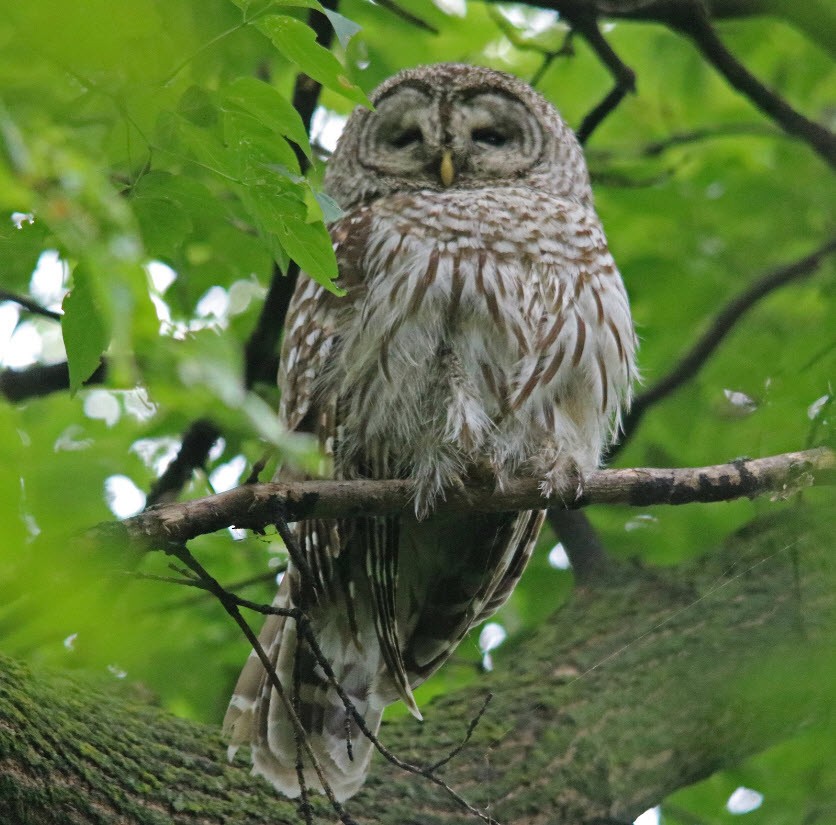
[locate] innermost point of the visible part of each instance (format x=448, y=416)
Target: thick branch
x=634, y=689
x=257, y=505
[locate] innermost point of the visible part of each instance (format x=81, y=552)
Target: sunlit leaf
x=270, y=107
x=298, y=43
x=344, y=28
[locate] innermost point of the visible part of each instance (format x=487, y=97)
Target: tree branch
x=699, y=29
x=632, y=690
x=257, y=505
x=586, y=25
x=693, y=18
x=29, y=305
x=42, y=379
x=722, y=325
x=194, y=450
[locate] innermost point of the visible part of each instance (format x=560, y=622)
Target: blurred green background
x=142, y=132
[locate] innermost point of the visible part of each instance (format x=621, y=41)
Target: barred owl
x=485, y=334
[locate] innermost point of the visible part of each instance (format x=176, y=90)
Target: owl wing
x=353, y=564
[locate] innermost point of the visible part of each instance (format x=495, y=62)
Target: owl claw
x=559, y=481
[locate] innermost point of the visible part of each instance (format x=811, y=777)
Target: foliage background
x=150, y=131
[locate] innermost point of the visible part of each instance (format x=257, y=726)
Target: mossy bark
x=640, y=685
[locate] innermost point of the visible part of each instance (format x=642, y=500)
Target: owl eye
x=407, y=138
x=489, y=136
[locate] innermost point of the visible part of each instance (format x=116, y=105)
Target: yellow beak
x=447, y=171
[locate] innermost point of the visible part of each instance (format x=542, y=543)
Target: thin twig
x=202, y=580
x=231, y=603
x=257, y=468
x=698, y=27
x=518, y=41
x=625, y=78
x=474, y=722
x=407, y=15
x=655, y=148
x=693, y=360
x=30, y=305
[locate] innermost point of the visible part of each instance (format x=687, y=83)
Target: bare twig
x=256, y=505
x=231, y=604
x=196, y=576
x=625, y=78
x=474, y=723
x=29, y=305
x=524, y=44
x=657, y=147
x=407, y=15
x=725, y=321
x=697, y=26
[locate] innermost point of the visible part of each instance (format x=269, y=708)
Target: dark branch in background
x=697, y=26
x=254, y=506
x=29, y=305
x=194, y=450
x=580, y=541
x=260, y=351
x=690, y=18
x=625, y=78
x=407, y=15
x=40, y=379
x=723, y=324
x=655, y=148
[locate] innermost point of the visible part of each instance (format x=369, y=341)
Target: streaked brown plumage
x=486, y=330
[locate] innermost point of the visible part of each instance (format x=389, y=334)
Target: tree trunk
x=644, y=682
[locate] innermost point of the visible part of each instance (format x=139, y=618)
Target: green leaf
x=255, y=149
x=282, y=214
x=202, y=144
x=297, y=42
x=198, y=107
x=344, y=28
x=86, y=327
x=20, y=250
x=269, y=106
x=330, y=208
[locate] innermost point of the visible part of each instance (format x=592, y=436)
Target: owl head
x=450, y=125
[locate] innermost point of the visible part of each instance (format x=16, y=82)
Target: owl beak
x=447, y=171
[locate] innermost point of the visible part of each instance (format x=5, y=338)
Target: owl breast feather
x=474, y=339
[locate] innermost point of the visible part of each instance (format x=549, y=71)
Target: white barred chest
x=489, y=327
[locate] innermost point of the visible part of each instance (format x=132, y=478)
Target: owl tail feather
x=259, y=718
x=381, y=542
